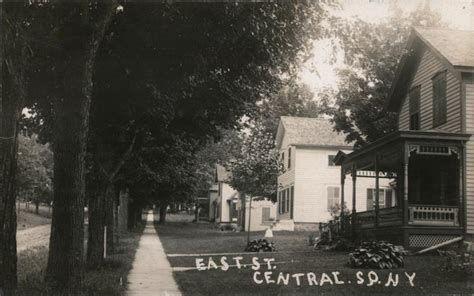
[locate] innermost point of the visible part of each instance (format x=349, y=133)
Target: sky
x=458, y=14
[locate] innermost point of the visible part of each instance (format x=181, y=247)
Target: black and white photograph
x=236, y=147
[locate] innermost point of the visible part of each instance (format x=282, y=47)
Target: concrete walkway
x=151, y=272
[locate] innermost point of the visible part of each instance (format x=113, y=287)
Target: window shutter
x=439, y=99
x=292, y=201
x=370, y=199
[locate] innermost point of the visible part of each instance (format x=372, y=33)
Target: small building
x=225, y=204
x=264, y=214
x=213, y=196
x=309, y=188
x=431, y=156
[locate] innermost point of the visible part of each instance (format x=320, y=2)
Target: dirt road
x=33, y=237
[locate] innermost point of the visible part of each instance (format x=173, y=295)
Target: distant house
x=310, y=185
x=225, y=204
x=213, y=197
x=431, y=156
x=264, y=214
x=228, y=206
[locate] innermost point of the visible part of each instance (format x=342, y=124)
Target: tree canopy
x=371, y=53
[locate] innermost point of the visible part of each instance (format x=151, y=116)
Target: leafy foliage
x=377, y=255
x=35, y=169
x=456, y=261
x=257, y=167
x=261, y=245
x=371, y=53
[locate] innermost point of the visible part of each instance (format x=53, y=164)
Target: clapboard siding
x=428, y=67
x=470, y=158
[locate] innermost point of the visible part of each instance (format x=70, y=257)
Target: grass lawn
x=26, y=219
x=32, y=266
x=293, y=257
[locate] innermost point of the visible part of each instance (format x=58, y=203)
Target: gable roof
x=221, y=174
x=454, y=48
x=455, y=45
x=305, y=131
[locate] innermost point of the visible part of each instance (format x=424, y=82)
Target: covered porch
x=424, y=204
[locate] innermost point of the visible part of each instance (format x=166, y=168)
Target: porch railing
x=433, y=215
x=387, y=217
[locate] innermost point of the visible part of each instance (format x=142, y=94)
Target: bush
x=377, y=255
x=261, y=245
x=459, y=262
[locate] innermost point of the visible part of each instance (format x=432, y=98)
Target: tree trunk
x=9, y=115
x=116, y=221
x=36, y=207
x=64, y=271
x=12, y=97
x=109, y=216
x=95, y=242
x=163, y=214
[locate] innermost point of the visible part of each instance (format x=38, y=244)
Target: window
x=385, y=198
x=265, y=214
x=331, y=160
x=333, y=196
x=414, y=97
x=287, y=208
x=439, y=99
x=284, y=202
x=289, y=158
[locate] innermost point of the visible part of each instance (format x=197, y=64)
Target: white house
x=225, y=205
x=310, y=184
x=263, y=214
x=228, y=206
x=213, y=198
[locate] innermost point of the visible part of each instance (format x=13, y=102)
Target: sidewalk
x=151, y=272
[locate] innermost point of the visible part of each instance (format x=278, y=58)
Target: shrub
x=261, y=245
x=377, y=255
x=459, y=262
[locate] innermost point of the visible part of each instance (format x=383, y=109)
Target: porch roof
x=389, y=141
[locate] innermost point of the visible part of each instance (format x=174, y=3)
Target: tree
x=372, y=53
x=257, y=167
x=35, y=165
x=15, y=56
x=69, y=35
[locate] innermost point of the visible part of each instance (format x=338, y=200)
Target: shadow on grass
x=111, y=279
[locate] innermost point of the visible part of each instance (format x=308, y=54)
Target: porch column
x=377, y=187
x=354, y=180
x=405, y=185
x=343, y=179
x=462, y=189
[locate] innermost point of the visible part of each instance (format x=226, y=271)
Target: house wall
x=469, y=91
x=428, y=67
x=257, y=209
x=227, y=193
x=213, y=196
x=287, y=179
x=312, y=177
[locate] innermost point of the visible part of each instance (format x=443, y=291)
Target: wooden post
x=105, y=241
x=406, y=157
x=343, y=178
x=354, y=189
x=377, y=191
x=250, y=217
x=462, y=196
x=405, y=185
